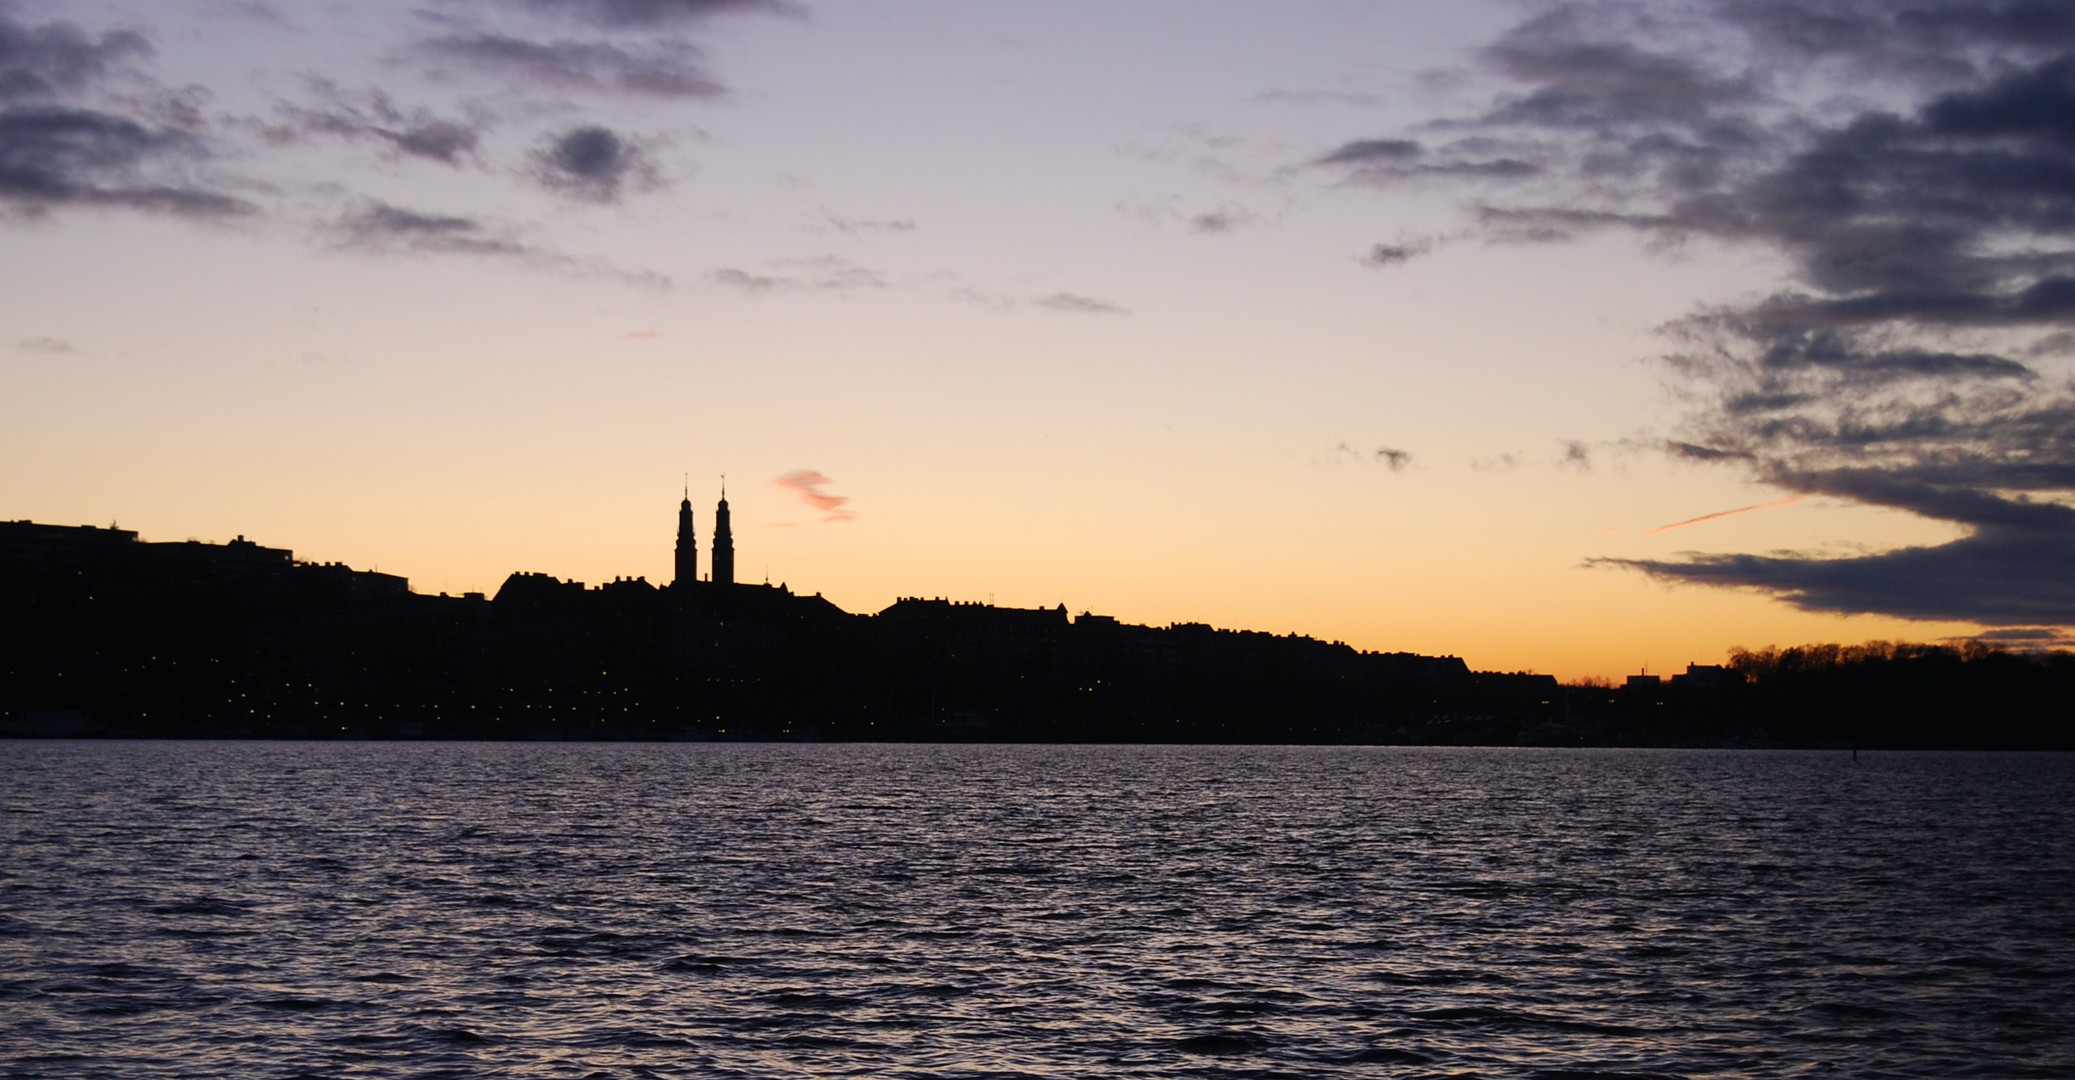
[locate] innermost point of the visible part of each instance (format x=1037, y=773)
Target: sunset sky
x=1574, y=338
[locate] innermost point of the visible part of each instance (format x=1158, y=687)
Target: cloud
x=1404, y=251
x=808, y=484
x=1223, y=219
x=859, y=226
x=981, y=298
x=375, y=117
x=1576, y=455
x=52, y=157
x=56, y=60
x=1318, y=97
x=1390, y=162
x=1977, y=440
x=1078, y=304
x=1914, y=164
x=59, y=150
x=1216, y=220
x=47, y=345
x=2012, y=569
x=746, y=281
x=1927, y=41
x=647, y=14
x=1583, y=70
x=1391, y=458
x=662, y=68
x=1506, y=462
x=382, y=228
x=592, y=163
x=2024, y=635
x=2057, y=343
x=437, y=140
x=1374, y=151
x=828, y=273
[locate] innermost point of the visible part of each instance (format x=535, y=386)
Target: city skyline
x=1575, y=338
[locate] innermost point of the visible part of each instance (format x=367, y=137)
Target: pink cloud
x=809, y=484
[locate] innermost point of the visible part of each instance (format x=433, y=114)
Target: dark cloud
x=48, y=345
x=1078, y=304
x=2024, y=635
x=1930, y=233
x=1974, y=439
x=1384, y=162
x=60, y=150
x=673, y=69
x=1374, y=151
x=56, y=60
x=655, y=13
x=1393, y=459
x=641, y=56
x=1922, y=41
x=591, y=162
x=60, y=157
x=2007, y=571
x=1585, y=72
x=439, y=140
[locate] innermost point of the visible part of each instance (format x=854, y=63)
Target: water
x=433, y=910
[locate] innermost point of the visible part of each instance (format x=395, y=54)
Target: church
x=688, y=543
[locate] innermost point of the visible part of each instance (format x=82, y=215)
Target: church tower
x=687, y=543
x=723, y=542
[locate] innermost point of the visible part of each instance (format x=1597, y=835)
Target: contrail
x=1725, y=513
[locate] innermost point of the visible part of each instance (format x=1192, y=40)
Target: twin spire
x=688, y=541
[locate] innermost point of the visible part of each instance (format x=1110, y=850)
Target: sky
x=1580, y=338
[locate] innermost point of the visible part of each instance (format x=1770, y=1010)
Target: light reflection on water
x=698, y=910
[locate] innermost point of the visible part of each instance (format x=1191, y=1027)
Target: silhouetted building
x=26, y=543
x=723, y=543
x=102, y=634
x=1707, y=675
x=687, y=544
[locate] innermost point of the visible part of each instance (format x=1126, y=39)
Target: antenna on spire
x=724, y=485
x=688, y=485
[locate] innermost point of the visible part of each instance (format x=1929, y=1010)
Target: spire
x=723, y=540
x=687, y=540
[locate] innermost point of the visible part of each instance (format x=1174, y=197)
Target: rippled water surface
x=239, y=909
